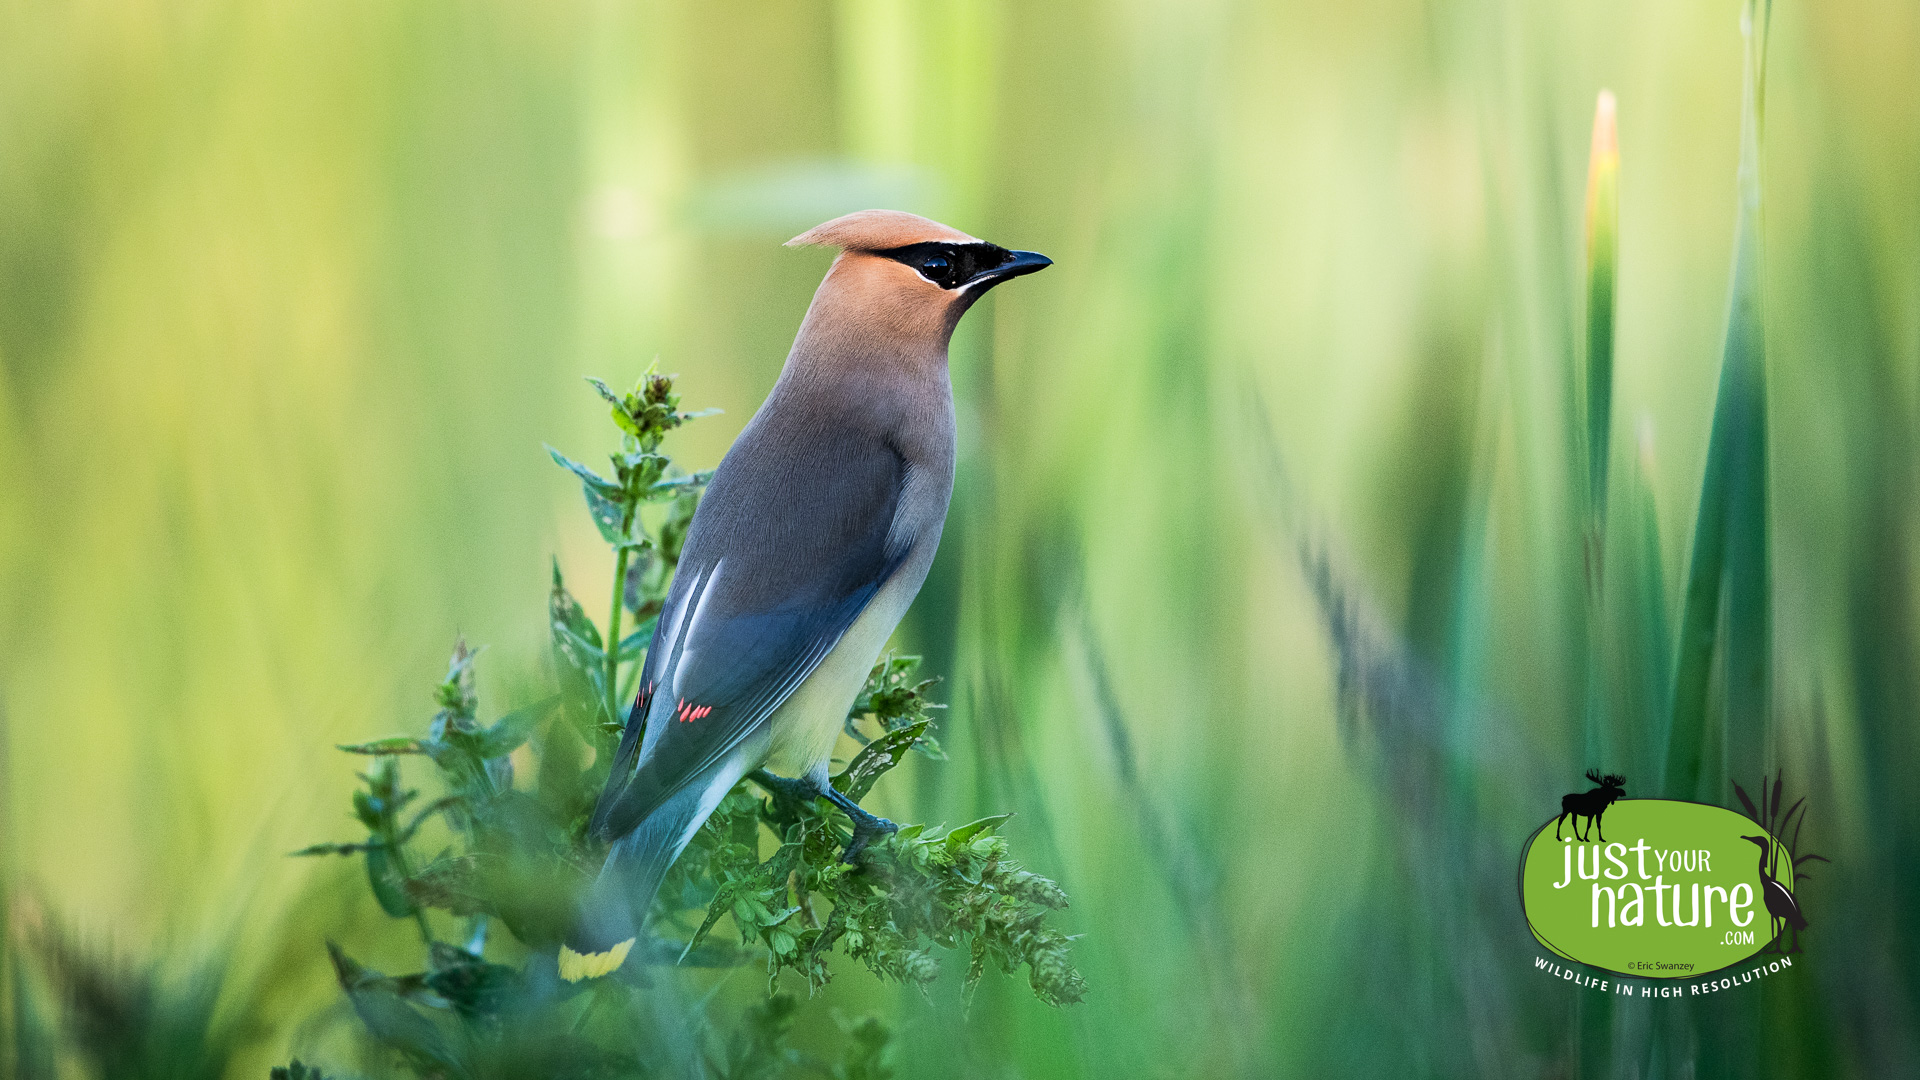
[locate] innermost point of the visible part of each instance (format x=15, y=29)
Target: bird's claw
x=864, y=833
x=866, y=827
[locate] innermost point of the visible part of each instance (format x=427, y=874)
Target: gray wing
x=795, y=536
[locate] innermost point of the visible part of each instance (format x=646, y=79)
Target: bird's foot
x=865, y=833
x=798, y=791
x=866, y=827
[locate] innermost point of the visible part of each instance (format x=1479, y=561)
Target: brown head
x=900, y=284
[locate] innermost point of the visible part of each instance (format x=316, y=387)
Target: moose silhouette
x=1590, y=804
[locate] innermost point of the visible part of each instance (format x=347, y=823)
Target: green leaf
x=330, y=849
x=367, y=810
x=582, y=654
x=609, y=516
x=966, y=833
x=642, y=463
x=566, y=614
x=389, y=1018
x=895, y=701
x=593, y=480
x=623, y=407
x=876, y=759
x=471, y=985
x=388, y=888
x=393, y=744
x=721, y=906
x=680, y=484
x=607, y=392
x=513, y=729
x=577, y=653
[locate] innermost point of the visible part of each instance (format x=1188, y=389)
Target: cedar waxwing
x=814, y=536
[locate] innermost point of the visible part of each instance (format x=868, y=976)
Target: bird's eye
x=947, y=265
x=938, y=269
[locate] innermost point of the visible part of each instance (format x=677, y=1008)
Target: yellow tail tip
x=577, y=966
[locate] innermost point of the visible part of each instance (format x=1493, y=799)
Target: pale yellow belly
x=808, y=724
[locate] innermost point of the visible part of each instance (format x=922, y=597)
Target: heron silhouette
x=1780, y=902
x=1779, y=898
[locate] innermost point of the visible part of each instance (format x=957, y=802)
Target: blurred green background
x=1261, y=597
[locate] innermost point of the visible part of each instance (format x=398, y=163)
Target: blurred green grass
x=291, y=295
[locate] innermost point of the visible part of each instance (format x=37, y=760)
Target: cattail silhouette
x=1781, y=903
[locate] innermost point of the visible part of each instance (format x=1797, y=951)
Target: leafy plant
x=520, y=852
x=119, y=1019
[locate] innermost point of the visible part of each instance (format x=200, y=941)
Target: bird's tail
x=613, y=918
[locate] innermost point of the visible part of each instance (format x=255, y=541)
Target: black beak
x=1023, y=262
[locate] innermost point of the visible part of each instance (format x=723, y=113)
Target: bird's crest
x=879, y=230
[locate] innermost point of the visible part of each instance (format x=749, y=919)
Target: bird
x=1779, y=900
x=814, y=535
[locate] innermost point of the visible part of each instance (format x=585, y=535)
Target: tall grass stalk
x=1603, y=248
x=1728, y=592
x=1641, y=645
x=1595, y=1020
x=1602, y=236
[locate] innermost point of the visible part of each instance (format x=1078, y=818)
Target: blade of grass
x=1603, y=213
x=1643, y=636
x=1729, y=591
x=1730, y=540
x=1595, y=1019
x=1603, y=216
x=1871, y=367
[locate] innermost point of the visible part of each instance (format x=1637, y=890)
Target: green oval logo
x=1656, y=889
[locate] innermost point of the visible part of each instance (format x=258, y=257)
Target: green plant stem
x=613, y=627
x=406, y=874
